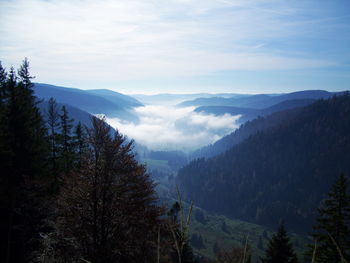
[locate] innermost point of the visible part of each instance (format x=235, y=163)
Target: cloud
x=165, y=128
x=96, y=40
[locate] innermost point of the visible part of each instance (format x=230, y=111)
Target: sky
x=180, y=46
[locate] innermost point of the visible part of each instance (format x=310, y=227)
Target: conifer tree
x=279, y=248
x=80, y=142
x=332, y=230
x=67, y=149
x=24, y=147
x=53, y=124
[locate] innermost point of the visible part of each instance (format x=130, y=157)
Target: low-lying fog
x=172, y=128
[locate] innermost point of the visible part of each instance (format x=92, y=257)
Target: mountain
x=243, y=132
x=89, y=102
x=173, y=99
x=282, y=172
x=250, y=113
x=259, y=101
x=77, y=114
x=117, y=98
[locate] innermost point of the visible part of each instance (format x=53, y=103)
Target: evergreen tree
x=67, y=149
x=53, y=124
x=280, y=249
x=80, y=142
x=332, y=230
x=23, y=157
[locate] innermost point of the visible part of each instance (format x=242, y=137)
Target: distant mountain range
x=278, y=167
x=260, y=101
x=173, y=99
x=110, y=103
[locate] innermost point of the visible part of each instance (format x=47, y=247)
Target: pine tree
x=67, y=149
x=80, y=142
x=24, y=147
x=53, y=124
x=332, y=230
x=280, y=249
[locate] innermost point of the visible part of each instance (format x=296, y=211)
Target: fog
x=171, y=128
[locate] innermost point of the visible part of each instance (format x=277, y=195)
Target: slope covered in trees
x=282, y=172
x=250, y=113
x=259, y=101
x=247, y=129
x=115, y=106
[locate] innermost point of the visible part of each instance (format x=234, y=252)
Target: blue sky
x=181, y=46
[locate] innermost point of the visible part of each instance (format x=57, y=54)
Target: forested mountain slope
x=279, y=173
x=90, y=102
x=259, y=101
x=74, y=113
x=115, y=97
x=251, y=113
x=247, y=129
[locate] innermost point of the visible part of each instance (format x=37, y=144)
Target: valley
x=210, y=169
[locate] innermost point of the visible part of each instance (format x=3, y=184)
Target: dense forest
x=281, y=171
x=74, y=192
x=244, y=131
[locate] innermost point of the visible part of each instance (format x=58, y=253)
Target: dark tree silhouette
x=23, y=158
x=332, y=230
x=108, y=206
x=279, y=248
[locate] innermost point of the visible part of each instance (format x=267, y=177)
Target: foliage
x=108, y=206
x=281, y=172
x=332, y=229
x=280, y=249
x=23, y=155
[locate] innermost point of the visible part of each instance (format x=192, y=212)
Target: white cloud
x=136, y=39
x=164, y=128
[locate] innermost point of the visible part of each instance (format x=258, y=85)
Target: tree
x=332, y=228
x=53, y=124
x=179, y=226
x=279, y=248
x=66, y=141
x=80, y=142
x=23, y=159
x=107, y=208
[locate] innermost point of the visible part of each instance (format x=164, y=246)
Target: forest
x=72, y=193
x=282, y=168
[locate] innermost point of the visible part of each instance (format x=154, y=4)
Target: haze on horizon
x=180, y=46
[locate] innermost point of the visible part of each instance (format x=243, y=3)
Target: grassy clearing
x=236, y=231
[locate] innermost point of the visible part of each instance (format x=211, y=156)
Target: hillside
x=86, y=101
x=115, y=97
x=74, y=113
x=277, y=173
x=250, y=113
x=244, y=131
x=259, y=101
